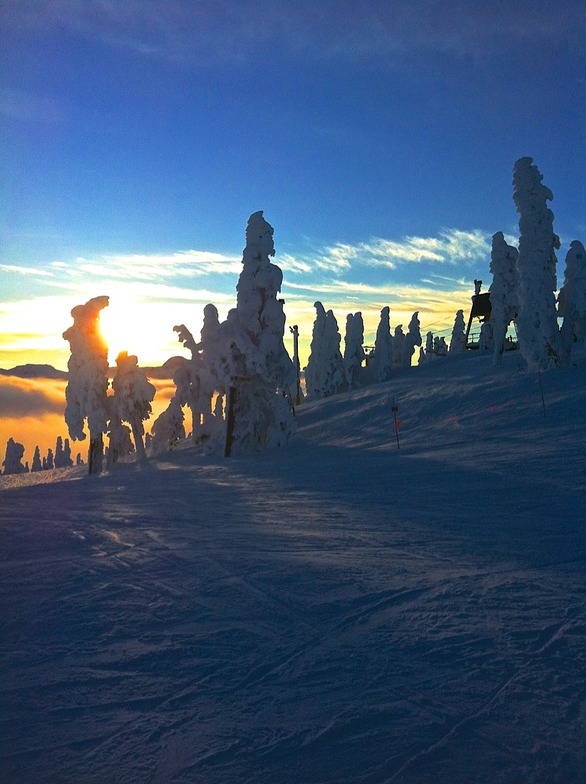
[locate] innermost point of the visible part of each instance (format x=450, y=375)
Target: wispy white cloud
x=152, y=267
x=20, y=269
x=450, y=247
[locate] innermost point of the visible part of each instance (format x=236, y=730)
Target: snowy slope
x=339, y=611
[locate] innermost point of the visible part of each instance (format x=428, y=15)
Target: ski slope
x=343, y=611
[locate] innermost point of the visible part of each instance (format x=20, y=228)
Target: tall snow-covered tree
x=255, y=365
x=198, y=381
x=503, y=291
x=353, y=348
x=325, y=374
x=412, y=339
x=314, y=376
x=37, y=464
x=458, y=339
x=399, y=346
x=132, y=398
x=63, y=453
x=13, y=458
x=572, y=304
x=428, y=354
x=382, y=359
x=86, y=392
x=537, y=329
x=187, y=380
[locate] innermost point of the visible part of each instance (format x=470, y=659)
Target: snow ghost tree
x=13, y=458
x=412, y=339
x=198, y=381
x=485, y=337
x=398, y=346
x=86, y=392
x=132, y=398
x=458, y=339
x=572, y=305
x=537, y=329
x=37, y=465
x=49, y=461
x=63, y=453
x=313, y=372
x=187, y=379
x=168, y=428
x=382, y=358
x=427, y=354
x=353, y=348
x=325, y=374
x=254, y=364
x=503, y=291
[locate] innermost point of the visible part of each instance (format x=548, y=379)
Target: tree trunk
x=96, y=453
x=138, y=444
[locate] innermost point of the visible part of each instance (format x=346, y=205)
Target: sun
x=143, y=330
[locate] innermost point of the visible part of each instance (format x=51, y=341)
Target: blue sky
x=377, y=137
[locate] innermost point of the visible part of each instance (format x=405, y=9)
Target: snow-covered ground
x=340, y=611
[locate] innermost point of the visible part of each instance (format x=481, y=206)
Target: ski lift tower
x=481, y=310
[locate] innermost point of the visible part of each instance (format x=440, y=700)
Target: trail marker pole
x=395, y=410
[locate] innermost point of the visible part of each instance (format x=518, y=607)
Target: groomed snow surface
x=340, y=611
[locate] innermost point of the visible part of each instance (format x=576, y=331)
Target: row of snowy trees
x=60, y=458
x=524, y=283
x=329, y=372
x=236, y=382
x=87, y=391
x=239, y=379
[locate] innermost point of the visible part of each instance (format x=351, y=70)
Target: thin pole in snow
x=395, y=410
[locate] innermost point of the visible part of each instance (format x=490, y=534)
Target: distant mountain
x=34, y=371
x=166, y=370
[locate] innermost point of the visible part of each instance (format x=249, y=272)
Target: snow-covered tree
x=13, y=458
x=427, y=354
x=325, y=373
x=253, y=362
x=412, y=339
x=313, y=371
x=572, y=304
x=87, y=385
x=486, y=337
x=536, y=323
x=197, y=382
x=382, y=358
x=37, y=465
x=353, y=348
x=399, y=346
x=49, y=460
x=440, y=347
x=132, y=398
x=458, y=339
x=62, y=453
x=168, y=428
x=503, y=291
x=209, y=383
x=119, y=441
